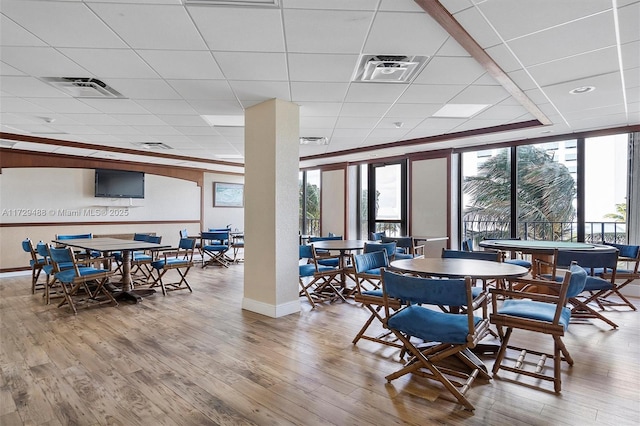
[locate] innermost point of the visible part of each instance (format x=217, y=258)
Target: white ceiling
x=174, y=63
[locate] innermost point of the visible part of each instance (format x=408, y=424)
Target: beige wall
x=333, y=205
x=49, y=201
x=219, y=217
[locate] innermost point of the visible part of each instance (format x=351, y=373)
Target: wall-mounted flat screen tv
x=119, y=184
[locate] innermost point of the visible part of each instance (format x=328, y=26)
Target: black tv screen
x=119, y=184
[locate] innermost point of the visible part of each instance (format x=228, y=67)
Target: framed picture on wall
x=228, y=194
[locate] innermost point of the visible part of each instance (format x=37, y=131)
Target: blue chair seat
x=159, y=264
x=307, y=270
x=216, y=247
x=597, y=284
x=432, y=326
x=334, y=262
x=535, y=310
x=68, y=275
x=399, y=256
x=519, y=262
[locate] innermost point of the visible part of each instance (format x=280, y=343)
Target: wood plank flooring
x=199, y=359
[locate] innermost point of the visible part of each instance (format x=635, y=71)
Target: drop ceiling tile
x=177, y=64
x=37, y=147
x=318, y=122
x=261, y=29
x=501, y=112
x=356, y=122
x=476, y=94
x=64, y=105
x=162, y=106
x=116, y=130
x=628, y=19
x=142, y=89
x=342, y=31
x=413, y=110
x=375, y=92
x=321, y=67
x=575, y=67
x=320, y=109
x=156, y=130
x=482, y=31
x=578, y=37
x=323, y=92
x=24, y=86
x=406, y=124
x=213, y=90
x=364, y=109
x=41, y=61
x=146, y=26
x=12, y=34
x=183, y=120
x=394, y=33
x=501, y=54
x=253, y=66
x=261, y=90
x=76, y=130
x=75, y=24
x=135, y=120
x=400, y=6
x=110, y=63
x=458, y=70
x=96, y=120
x=513, y=19
x=452, y=48
x=630, y=55
x=18, y=105
x=359, y=134
x=430, y=93
x=331, y=4
x=196, y=130
x=6, y=69
x=217, y=107
x=115, y=106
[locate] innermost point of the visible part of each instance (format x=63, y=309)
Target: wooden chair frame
x=179, y=259
x=320, y=287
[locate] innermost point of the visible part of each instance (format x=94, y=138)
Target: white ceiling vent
x=314, y=140
x=250, y=3
x=389, y=68
x=83, y=87
x=152, y=145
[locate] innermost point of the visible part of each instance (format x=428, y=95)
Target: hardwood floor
x=199, y=359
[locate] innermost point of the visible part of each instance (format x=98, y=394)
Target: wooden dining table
x=459, y=268
x=127, y=247
x=344, y=247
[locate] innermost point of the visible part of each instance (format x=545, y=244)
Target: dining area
x=298, y=369
x=552, y=285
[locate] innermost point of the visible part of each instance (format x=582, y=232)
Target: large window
x=309, y=216
x=572, y=190
x=386, y=198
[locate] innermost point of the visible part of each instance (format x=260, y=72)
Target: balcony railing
x=595, y=232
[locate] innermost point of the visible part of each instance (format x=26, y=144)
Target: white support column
x=271, y=208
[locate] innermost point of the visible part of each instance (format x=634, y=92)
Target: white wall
x=50, y=201
x=219, y=217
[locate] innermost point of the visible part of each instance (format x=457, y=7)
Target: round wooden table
x=343, y=246
x=458, y=268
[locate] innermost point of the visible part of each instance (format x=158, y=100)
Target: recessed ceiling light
x=459, y=110
x=224, y=120
x=581, y=90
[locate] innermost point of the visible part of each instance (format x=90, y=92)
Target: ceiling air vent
x=83, y=87
x=314, y=140
x=152, y=145
x=389, y=68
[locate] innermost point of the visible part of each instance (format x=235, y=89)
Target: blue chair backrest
x=492, y=256
x=626, y=250
x=221, y=235
x=73, y=236
x=372, y=260
x=153, y=239
x=377, y=236
x=390, y=248
x=467, y=245
x=430, y=291
x=187, y=243
x=314, y=239
x=305, y=252
x=588, y=258
x=42, y=249
x=27, y=246
x=61, y=255
x=401, y=242
x=578, y=280
x=140, y=237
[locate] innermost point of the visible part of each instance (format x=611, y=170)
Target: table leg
x=127, y=292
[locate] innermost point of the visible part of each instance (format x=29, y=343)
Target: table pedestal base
x=134, y=296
